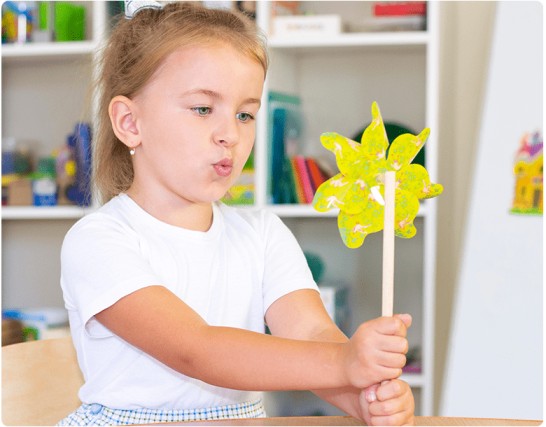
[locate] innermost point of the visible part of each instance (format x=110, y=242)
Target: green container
x=69, y=22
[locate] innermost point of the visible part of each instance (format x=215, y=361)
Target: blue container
x=80, y=140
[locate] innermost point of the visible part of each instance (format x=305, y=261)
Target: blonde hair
x=134, y=51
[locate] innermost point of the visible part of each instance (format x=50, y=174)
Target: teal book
x=285, y=129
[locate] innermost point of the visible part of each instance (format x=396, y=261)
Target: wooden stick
x=388, y=245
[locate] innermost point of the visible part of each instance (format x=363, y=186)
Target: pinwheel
x=375, y=191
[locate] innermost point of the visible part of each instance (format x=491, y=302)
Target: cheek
x=248, y=136
x=245, y=148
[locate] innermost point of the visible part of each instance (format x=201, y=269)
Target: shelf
x=307, y=211
x=347, y=40
x=43, y=212
x=41, y=51
x=75, y=212
x=299, y=211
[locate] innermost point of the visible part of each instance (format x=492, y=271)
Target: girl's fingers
x=370, y=393
x=392, y=360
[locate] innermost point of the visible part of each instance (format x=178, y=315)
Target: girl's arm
x=159, y=323
x=311, y=321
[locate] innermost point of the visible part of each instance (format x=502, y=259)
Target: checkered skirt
x=99, y=415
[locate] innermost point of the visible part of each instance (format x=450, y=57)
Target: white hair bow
x=132, y=7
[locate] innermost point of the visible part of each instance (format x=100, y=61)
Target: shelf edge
x=45, y=212
x=32, y=51
x=353, y=40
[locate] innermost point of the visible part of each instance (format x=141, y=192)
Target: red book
x=400, y=8
x=305, y=179
x=317, y=177
x=297, y=181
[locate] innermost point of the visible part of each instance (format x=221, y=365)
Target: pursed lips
x=223, y=167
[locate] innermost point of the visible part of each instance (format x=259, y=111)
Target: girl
x=167, y=289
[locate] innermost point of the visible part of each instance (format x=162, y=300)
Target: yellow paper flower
x=358, y=190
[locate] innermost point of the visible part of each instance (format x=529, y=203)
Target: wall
x=494, y=365
x=466, y=30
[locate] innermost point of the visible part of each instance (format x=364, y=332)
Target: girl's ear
x=121, y=111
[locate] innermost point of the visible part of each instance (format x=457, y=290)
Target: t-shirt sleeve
x=100, y=264
x=285, y=268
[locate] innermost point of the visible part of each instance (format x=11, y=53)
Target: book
x=298, y=183
x=284, y=133
x=305, y=179
x=317, y=177
x=400, y=8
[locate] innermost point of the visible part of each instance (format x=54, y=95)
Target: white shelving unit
x=44, y=90
x=337, y=78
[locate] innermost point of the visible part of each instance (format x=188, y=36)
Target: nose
x=227, y=132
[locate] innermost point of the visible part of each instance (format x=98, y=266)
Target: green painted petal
x=374, y=172
x=415, y=179
x=374, y=139
x=404, y=149
x=405, y=211
x=342, y=193
x=356, y=198
x=353, y=229
x=347, y=152
x=331, y=193
x=434, y=190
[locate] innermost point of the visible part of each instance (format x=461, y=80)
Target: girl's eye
x=245, y=117
x=202, y=111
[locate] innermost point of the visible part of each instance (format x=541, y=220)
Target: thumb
x=406, y=318
x=370, y=393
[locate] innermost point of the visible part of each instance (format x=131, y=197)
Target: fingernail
x=371, y=397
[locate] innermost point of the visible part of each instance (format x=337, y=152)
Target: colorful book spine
x=305, y=179
x=283, y=133
x=298, y=183
x=317, y=177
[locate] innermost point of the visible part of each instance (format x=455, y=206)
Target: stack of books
x=306, y=178
x=293, y=178
x=400, y=15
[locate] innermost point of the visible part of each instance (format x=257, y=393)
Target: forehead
x=213, y=59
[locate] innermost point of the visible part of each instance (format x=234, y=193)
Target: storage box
x=16, y=190
x=319, y=25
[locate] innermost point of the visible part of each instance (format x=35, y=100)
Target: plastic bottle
x=44, y=185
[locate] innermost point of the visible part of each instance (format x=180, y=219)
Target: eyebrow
x=216, y=95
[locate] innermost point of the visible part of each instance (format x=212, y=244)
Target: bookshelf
x=336, y=78
x=44, y=89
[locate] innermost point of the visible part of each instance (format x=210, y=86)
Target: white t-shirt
x=229, y=275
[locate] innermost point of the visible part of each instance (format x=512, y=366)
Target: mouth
x=223, y=167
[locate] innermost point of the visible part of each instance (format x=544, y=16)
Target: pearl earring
x=132, y=151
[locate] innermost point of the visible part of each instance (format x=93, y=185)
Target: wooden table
x=350, y=421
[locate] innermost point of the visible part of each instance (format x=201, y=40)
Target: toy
x=375, y=191
x=528, y=172
x=80, y=141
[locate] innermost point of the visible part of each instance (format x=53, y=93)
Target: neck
x=175, y=211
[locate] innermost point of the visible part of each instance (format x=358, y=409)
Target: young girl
x=168, y=289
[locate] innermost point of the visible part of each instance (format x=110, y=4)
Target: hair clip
x=132, y=7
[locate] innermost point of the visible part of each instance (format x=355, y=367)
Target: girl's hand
x=389, y=404
x=377, y=351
